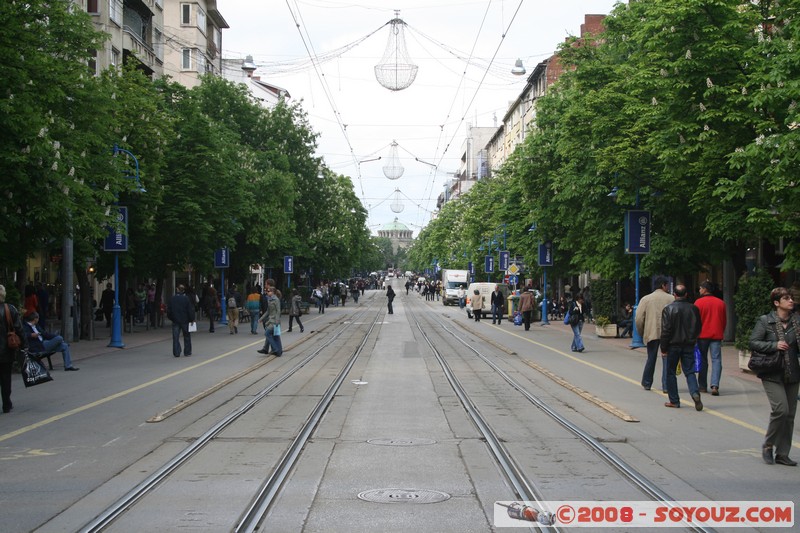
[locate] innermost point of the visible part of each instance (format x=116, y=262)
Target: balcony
x=132, y=43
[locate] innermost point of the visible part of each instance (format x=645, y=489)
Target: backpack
x=231, y=301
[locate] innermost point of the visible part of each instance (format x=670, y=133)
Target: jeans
x=783, y=401
x=716, y=362
x=253, y=320
x=176, y=340
x=57, y=344
x=274, y=341
x=650, y=366
x=627, y=327
x=577, y=341
x=684, y=354
x=497, y=314
x=462, y=302
x=389, y=305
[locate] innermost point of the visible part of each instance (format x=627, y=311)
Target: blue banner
x=489, y=264
x=117, y=238
x=546, y=254
x=288, y=264
x=505, y=260
x=637, y=232
x=471, y=268
x=222, y=258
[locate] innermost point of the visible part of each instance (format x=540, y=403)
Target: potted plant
x=751, y=301
x=604, y=297
x=604, y=327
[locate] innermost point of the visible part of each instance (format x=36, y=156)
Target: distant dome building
x=398, y=233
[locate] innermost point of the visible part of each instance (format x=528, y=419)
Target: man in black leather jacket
x=680, y=327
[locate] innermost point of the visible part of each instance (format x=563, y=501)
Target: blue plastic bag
x=517, y=318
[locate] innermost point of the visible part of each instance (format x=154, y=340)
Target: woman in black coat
x=390, y=297
x=781, y=385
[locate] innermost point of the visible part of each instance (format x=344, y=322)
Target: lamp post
x=637, y=242
x=118, y=242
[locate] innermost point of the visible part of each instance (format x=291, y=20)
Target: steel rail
x=259, y=506
x=652, y=490
x=522, y=486
x=127, y=501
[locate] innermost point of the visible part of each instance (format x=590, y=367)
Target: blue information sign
x=489, y=264
x=222, y=258
x=505, y=260
x=637, y=232
x=512, y=279
x=117, y=238
x=288, y=264
x=546, y=254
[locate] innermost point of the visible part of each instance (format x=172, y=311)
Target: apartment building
x=163, y=37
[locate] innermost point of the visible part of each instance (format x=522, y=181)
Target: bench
x=41, y=355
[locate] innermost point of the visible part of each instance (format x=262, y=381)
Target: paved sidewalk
x=140, y=336
x=730, y=355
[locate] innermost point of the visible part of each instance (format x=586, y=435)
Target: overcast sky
x=357, y=119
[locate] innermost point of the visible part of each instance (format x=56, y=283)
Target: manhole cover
x=401, y=442
x=403, y=496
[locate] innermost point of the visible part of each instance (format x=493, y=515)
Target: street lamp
x=116, y=313
x=637, y=242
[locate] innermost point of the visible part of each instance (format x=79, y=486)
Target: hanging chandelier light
x=393, y=168
x=397, y=205
x=396, y=71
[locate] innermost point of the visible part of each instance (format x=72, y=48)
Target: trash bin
x=512, y=306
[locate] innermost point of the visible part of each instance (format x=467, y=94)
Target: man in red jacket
x=713, y=317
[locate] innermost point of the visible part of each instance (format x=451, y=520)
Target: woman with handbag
x=774, y=346
x=576, y=318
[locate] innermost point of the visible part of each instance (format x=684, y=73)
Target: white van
x=486, y=290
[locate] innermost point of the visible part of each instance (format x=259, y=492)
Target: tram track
x=524, y=488
x=262, y=500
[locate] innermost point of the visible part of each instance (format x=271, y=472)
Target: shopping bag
x=698, y=357
x=192, y=327
x=277, y=331
x=34, y=372
x=517, y=319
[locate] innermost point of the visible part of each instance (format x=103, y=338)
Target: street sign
x=117, y=240
x=546, y=254
x=471, y=268
x=222, y=258
x=288, y=264
x=489, y=264
x=513, y=269
x=637, y=232
x=512, y=279
x=505, y=259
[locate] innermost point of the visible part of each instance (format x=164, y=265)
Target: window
x=201, y=20
x=186, y=60
x=92, y=62
x=201, y=62
x=186, y=14
x=158, y=43
x=218, y=38
x=115, y=11
x=92, y=6
x=115, y=56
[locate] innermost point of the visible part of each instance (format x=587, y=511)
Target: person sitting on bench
x=42, y=341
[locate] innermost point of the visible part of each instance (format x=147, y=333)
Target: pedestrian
x=294, y=311
x=680, y=327
x=577, y=317
x=648, y=323
x=497, y=301
x=319, y=298
x=626, y=322
x=107, y=303
x=477, y=305
x=210, y=303
x=254, y=309
x=779, y=331
x=234, y=301
x=40, y=341
x=714, y=318
x=390, y=298
x=180, y=312
x=526, y=307
x=462, y=296
x=8, y=355
x=271, y=320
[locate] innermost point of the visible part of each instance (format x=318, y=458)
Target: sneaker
x=698, y=405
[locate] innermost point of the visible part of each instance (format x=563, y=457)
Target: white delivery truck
x=452, y=280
